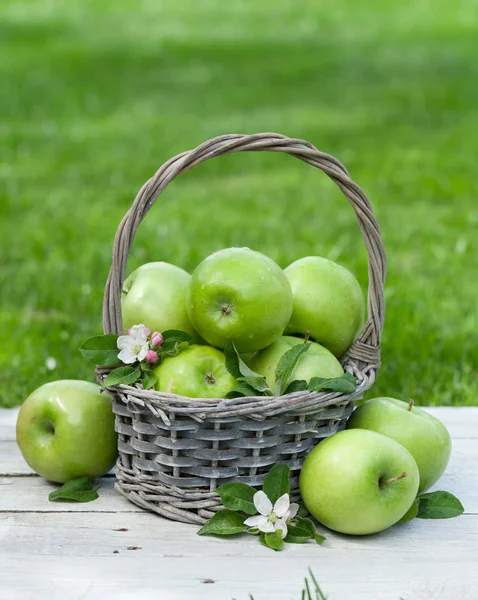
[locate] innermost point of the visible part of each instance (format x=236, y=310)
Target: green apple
x=359, y=482
x=424, y=436
x=241, y=295
x=65, y=429
x=328, y=302
x=197, y=372
x=316, y=362
x=155, y=294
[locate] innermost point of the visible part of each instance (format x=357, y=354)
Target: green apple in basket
x=65, y=430
x=424, y=436
x=155, y=294
x=197, y=372
x=328, y=302
x=240, y=295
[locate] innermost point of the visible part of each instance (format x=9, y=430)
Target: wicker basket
x=175, y=451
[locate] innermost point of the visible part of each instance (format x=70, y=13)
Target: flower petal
x=282, y=505
x=293, y=508
x=281, y=525
x=124, y=341
x=143, y=352
x=127, y=356
x=138, y=334
x=255, y=521
x=262, y=503
x=267, y=527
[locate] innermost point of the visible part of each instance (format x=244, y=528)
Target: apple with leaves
x=328, y=302
x=65, y=430
x=241, y=295
x=424, y=436
x=155, y=294
x=197, y=372
x=316, y=362
x=359, y=482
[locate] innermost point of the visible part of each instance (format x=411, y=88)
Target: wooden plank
x=12, y=463
x=461, y=421
x=72, y=556
x=31, y=493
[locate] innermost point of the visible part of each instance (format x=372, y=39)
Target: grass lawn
x=97, y=94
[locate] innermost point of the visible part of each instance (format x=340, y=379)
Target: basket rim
x=166, y=405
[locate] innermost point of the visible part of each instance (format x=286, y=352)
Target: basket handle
x=366, y=347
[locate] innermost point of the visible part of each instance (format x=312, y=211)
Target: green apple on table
x=65, y=430
x=197, y=372
x=155, y=294
x=242, y=295
x=424, y=436
x=316, y=362
x=359, y=482
x=328, y=302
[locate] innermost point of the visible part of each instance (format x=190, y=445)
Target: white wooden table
x=111, y=549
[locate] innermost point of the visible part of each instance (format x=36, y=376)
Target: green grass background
x=97, y=94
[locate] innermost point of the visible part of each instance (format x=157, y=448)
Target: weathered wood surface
x=68, y=551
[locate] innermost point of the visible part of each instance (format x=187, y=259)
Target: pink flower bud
x=157, y=339
x=151, y=357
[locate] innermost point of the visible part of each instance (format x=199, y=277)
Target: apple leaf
x=232, y=359
x=242, y=390
x=126, y=375
x=101, y=350
x=238, y=496
x=303, y=530
x=258, y=384
x=75, y=490
x=298, y=385
x=439, y=505
x=320, y=539
x=302, y=512
x=234, y=363
x=411, y=513
x=273, y=540
x=286, y=366
x=175, y=335
x=148, y=378
x=224, y=522
x=346, y=384
x=276, y=482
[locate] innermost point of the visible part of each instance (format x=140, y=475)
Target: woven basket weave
x=175, y=451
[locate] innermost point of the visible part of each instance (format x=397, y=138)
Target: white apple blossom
x=134, y=346
x=272, y=518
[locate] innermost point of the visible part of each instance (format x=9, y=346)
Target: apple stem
x=307, y=336
x=394, y=479
x=410, y=404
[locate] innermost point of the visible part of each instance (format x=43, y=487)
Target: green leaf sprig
x=434, y=505
x=312, y=591
x=76, y=490
x=239, y=505
x=103, y=350
x=251, y=383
